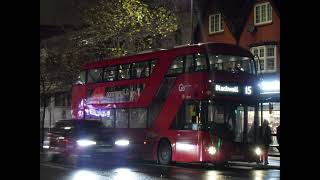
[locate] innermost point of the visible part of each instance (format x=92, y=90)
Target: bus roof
x=219, y=48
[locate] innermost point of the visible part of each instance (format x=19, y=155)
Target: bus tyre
x=164, y=152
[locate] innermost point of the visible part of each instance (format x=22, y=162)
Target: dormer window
x=215, y=23
x=262, y=13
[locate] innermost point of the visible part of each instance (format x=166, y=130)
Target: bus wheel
x=164, y=152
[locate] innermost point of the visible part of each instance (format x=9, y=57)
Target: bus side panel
x=186, y=85
x=153, y=84
x=188, y=145
x=78, y=101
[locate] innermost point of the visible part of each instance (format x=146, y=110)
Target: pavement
x=274, y=163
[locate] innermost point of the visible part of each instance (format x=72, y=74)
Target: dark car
x=70, y=137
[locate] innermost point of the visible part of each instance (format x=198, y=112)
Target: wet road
x=148, y=171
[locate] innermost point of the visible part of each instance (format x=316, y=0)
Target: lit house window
x=262, y=13
x=267, y=56
x=215, y=23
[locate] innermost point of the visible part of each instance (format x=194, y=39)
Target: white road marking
x=58, y=166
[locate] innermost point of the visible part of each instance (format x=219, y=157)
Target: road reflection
x=85, y=175
x=212, y=175
x=151, y=172
x=258, y=175
x=124, y=173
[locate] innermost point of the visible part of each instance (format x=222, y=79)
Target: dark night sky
x=58, y=12
x=63, y=12
x=56, y=15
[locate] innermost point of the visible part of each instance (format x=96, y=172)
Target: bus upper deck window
x=176, y=66
x=201, y=63
x=247, y=65
x=110, y=73
x=153, y=64
x=81, y=78
x=230, y=63
x=189, y=63
x=124, y=72
x=95, y=75
x=215, y=62
x=140, y=70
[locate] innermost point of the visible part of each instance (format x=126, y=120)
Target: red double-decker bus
x=194, y=103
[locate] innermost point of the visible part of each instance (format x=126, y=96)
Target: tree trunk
x=44, y=97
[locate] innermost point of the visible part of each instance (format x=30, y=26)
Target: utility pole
x=191, y=12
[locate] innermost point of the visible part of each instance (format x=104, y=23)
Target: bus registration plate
x=105, y=149
x=237, y=157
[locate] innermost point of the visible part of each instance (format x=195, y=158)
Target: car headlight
x=46, y=144
x=122, y=142
x=85, y=142
x=212, y=150
x=258, y=151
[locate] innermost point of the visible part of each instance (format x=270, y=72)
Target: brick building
x=254, y=25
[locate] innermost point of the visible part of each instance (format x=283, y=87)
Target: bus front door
x=188, y=136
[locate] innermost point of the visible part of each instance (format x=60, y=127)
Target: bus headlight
x=122, y=142
x=85, y=142
x=258, y=151
x=212, y=150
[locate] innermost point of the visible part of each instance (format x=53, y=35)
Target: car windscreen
x=66, y=127
x=90, y=125
x=63, y=126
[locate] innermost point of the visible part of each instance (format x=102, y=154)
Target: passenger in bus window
x=191, y=117
x=136, y=72
x=229, y=67
x=215, y=67
x=144, y=72
x=238, y=68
